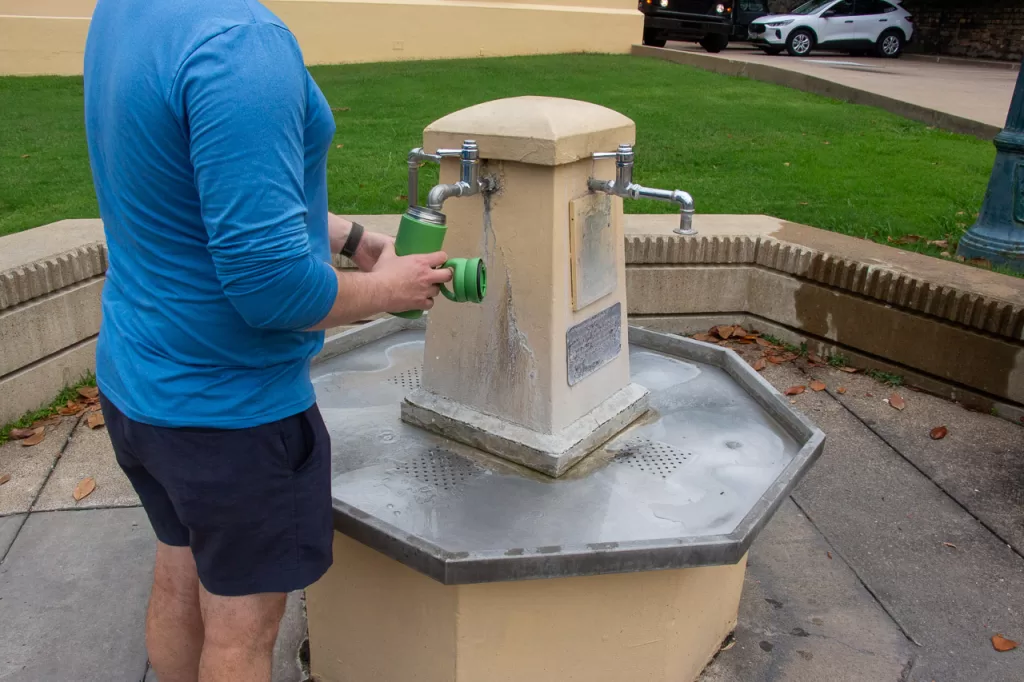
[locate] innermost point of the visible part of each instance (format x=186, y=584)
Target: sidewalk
x=897, y=558
x=955, y=95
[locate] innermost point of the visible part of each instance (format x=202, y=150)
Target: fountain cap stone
x=544, y=131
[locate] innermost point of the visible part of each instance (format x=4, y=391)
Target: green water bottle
x=422, y=230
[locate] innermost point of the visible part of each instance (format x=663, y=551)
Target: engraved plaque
x=593, y=343
x=592, y=249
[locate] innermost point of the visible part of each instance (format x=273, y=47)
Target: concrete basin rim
x=458, y=568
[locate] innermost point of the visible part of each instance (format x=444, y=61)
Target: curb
x=820, y=86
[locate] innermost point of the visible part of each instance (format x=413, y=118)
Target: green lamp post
x=998, y=234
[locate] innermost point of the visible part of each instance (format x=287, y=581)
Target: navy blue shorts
x=253, y=504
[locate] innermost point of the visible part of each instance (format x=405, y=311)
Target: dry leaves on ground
x=706, y=338
x=765, y=343
x=794, y=390
x=95, y=420
x=89, y=392
x=4, y=478
x=84, y=488
x=939, y=432
x=52, y=420
x=71, y=408
x=896, y=400
x=18, y=434
x=949, y=544
x=760, y=364
x=1000, y=643
x=849, y=370
x=841, y=390
x=35, y=439
x=818, y=385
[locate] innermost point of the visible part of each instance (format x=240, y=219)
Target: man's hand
x=412, y=282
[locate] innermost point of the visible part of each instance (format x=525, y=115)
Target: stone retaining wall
x=950, y=329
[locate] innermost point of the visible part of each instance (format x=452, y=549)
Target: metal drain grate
x=651, y=456
x=409, y=379
x=440, y=468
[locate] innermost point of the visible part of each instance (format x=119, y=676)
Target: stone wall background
x=988, y=29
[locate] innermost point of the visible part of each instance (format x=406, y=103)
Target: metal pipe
x=469, y=177
x=623, y=186
x=416, y=157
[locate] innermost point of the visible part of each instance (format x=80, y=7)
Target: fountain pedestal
x=527, y=490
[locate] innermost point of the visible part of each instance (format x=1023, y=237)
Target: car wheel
x=771, y=50
x=714, y=42
x=653, y=39
x=800, y=43
x=890, y=45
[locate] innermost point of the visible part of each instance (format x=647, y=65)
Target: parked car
x=744, y=13
x=855, y=26
x=708, y=22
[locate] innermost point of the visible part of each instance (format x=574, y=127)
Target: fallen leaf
x=726, y=331
x=93, y=408
x=789, y=357
x=752, y=336
x=24, y=156
x=817, y=359
x=17, y=434
x=818, y=386
x=4, y=478
x=89, y=392
x=703, y=337
x=896, y=400
x=401, y=197
x=338, y=146
x=71, y=408
x=939, y=432
x=949, y=544
x=744, y=341
x=764, y=342
x=941, y=243
x=340, y=108
x=906, y=239
x=786, y=163
x=827, y=142
x=959, y=212
x=945, y=254
x=775, y=359
x=36, y=438
x=1000, y=643
x=760, y=364
x=794, y=390
x=959, y=259
x=841, y=390
x=52, y=420
x=84, y=488
x=849, y=370
x=980, y=262
x=803, y=203
x=829, y=554
x=733, y=642
x=95, y=420
x=739, y=331
x=869, y=395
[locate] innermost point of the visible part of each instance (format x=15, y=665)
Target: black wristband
x=355, y=235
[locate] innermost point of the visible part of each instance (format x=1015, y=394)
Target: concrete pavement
x=957, y=96
x=897, y=558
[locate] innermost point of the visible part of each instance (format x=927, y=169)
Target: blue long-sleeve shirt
x=208, y=143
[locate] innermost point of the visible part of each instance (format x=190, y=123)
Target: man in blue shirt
x=208, y=142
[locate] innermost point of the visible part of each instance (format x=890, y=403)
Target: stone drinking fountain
x=526, y=489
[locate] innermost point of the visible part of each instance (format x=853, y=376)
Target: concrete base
x=372, y=619
x=552, y=454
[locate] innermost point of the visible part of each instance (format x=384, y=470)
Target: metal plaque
x=592, y=247
x=593, y=343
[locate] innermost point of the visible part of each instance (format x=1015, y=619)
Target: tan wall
x=48, y=36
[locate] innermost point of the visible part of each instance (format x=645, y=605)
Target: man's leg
x=240, y=633
x=174, y=623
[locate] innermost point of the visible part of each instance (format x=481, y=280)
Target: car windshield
x=811, y=7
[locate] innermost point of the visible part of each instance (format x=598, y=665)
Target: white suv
x=855, y=26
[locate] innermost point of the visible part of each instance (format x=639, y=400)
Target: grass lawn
x=738, y=146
